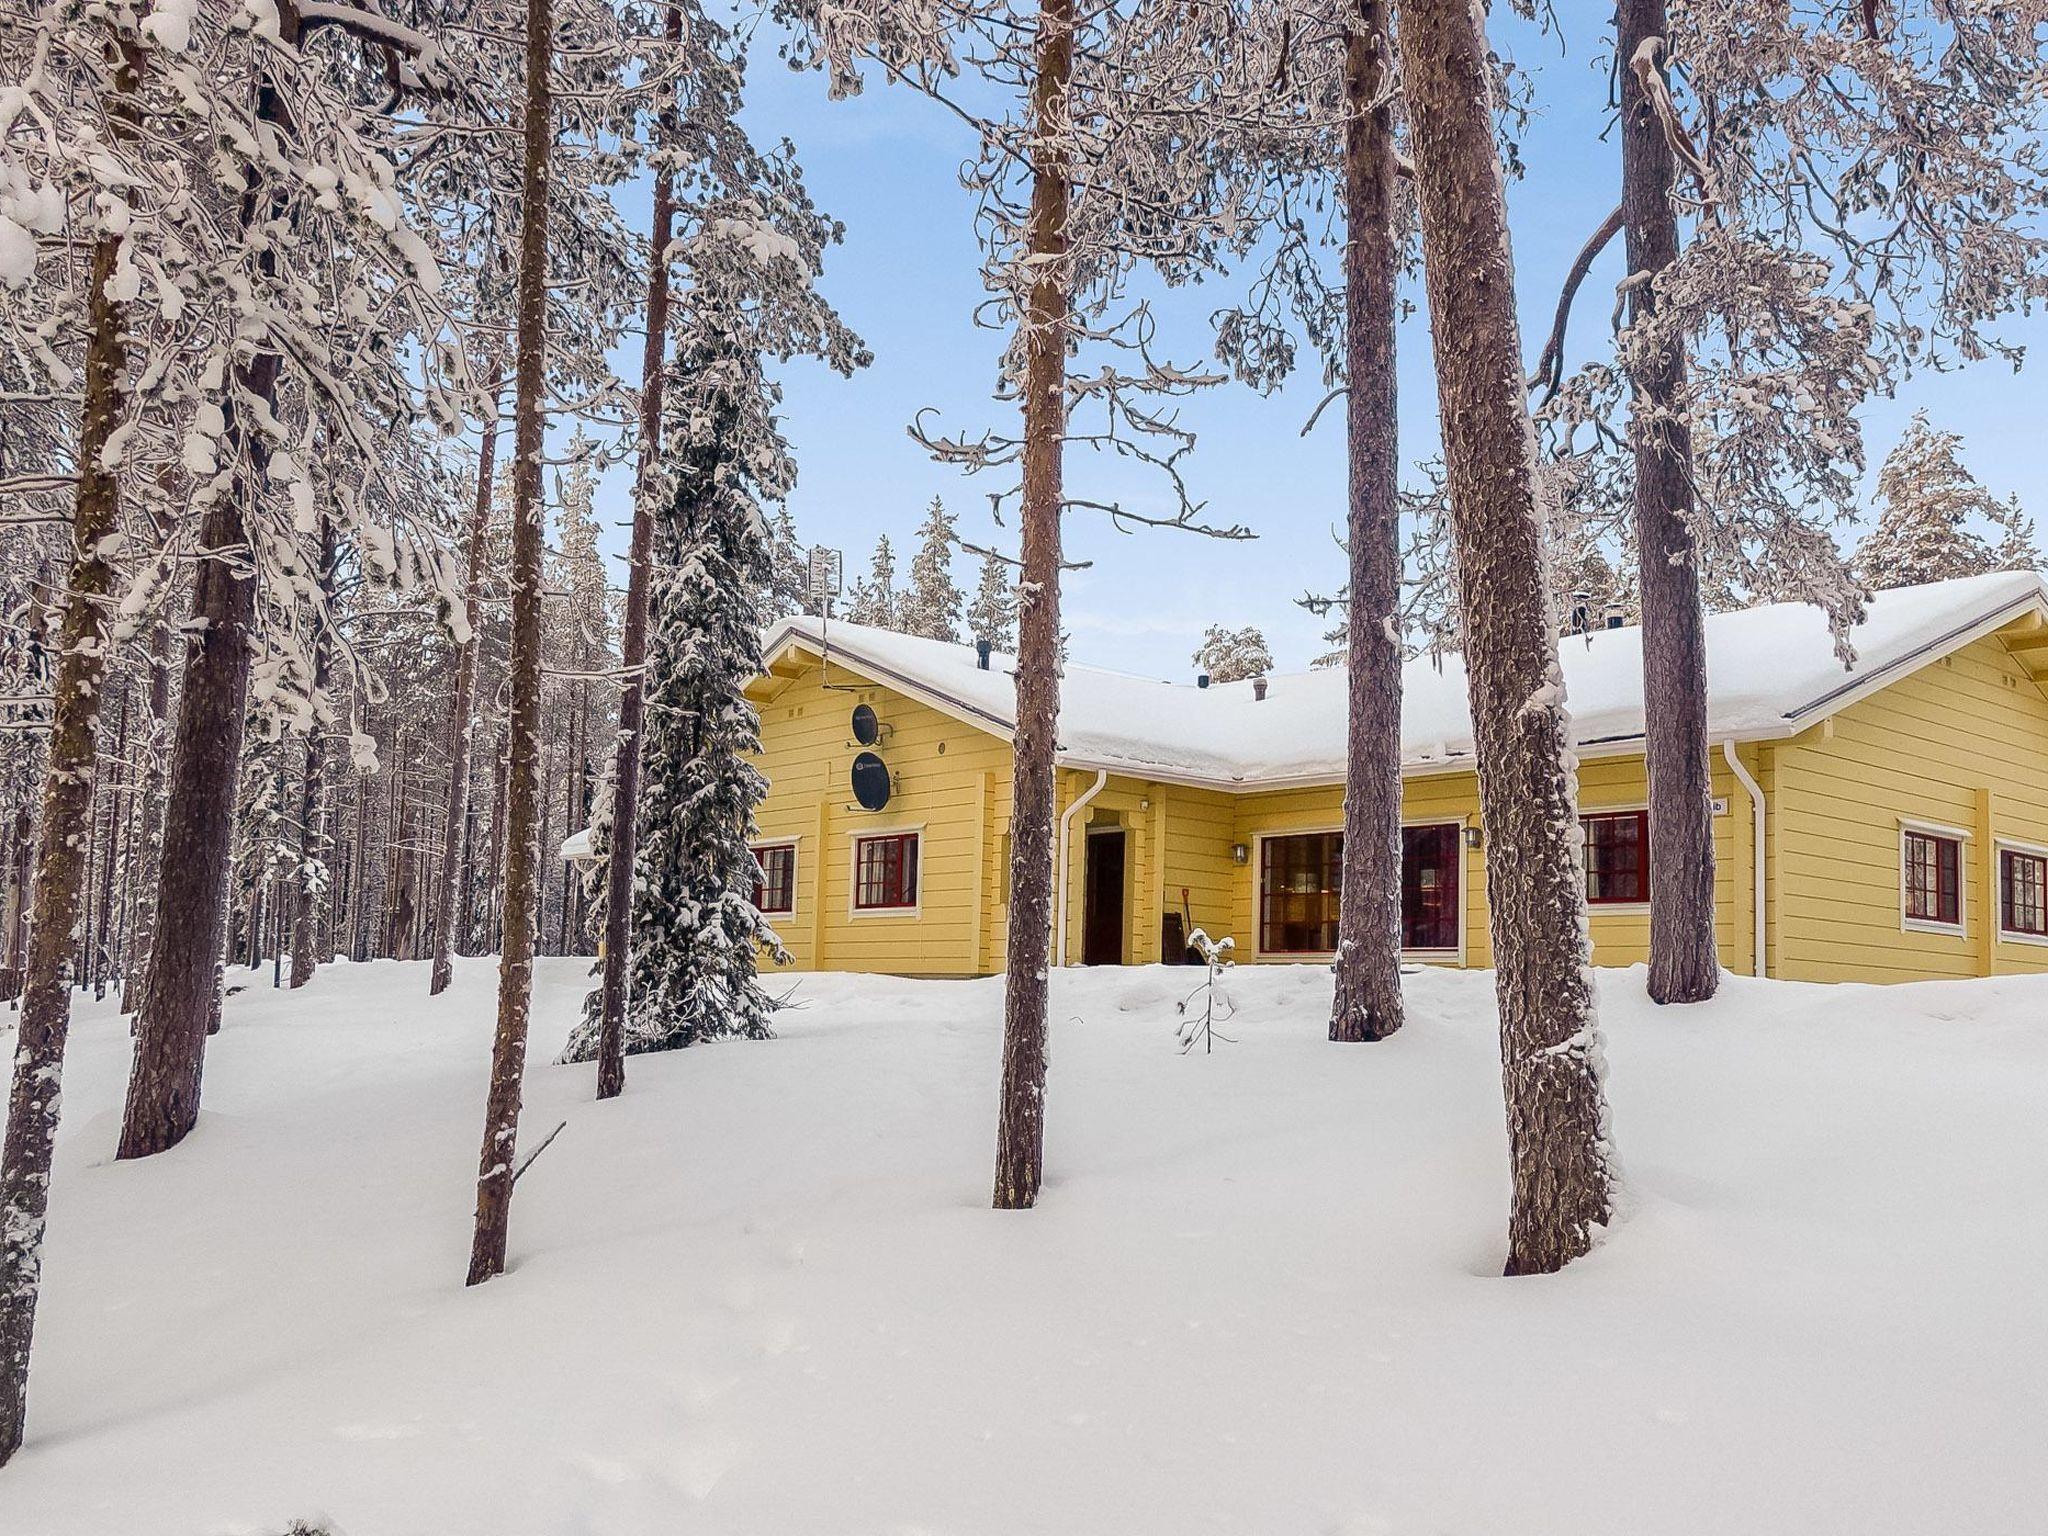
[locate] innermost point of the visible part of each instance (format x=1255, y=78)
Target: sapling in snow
x=1199, y=1019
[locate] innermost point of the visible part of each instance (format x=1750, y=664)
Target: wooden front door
x=1102, y=907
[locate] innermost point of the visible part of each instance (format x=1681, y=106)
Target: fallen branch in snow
x=520, y=1172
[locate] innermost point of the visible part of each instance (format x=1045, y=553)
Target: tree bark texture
x=462, y=712
x=1367, y=1000
x=1528, y=783
x=496, y=1168
x=624, y=838
x=58, y=891
x=181, y=992
x=1020, y=1130
x=1684, y=963
x=307, y=900
x=615, y=949
x=150, y=863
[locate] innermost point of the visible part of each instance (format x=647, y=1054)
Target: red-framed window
x=2023, y=892
x=1617, y=847
x=1934, y=883
x=1429, y=886
x=885, y=872
x=775, y=890
x=1298, y=889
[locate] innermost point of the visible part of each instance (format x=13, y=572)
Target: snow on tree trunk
x=1684, y=963
x=622, y=845
x=60, y=867
x=149, y=864
x=181, y=987
x=523, y=809
x=314, y=873
x=462, y=709
x=1020, y=1129
x=1367, y=1001
x=1551, y=1057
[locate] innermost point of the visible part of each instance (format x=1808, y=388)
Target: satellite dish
x=870, y=781
x=867, y=727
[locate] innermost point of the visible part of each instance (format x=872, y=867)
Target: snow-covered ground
x=763, y=1294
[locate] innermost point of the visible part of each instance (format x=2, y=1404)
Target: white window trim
x=795, y=845
x=867, y=834
x=1960, y=928
x=1313, y=956
x=2001, y=846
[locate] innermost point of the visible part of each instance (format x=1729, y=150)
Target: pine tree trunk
x=495, y=879
x=151, y=863
x=1020, y=1128
x=359, y=944
x=1684, y=963
x=313, y=834
x=633, y=658
x=496, y=1167
x=181, y=993
x=1528, y=791
x=462, y=712
x=103, y=948
x=618, y=871
x=58, y=888
x=1367, y=1002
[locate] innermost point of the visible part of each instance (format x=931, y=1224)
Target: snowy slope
x=1767, y=668
x=761, y=1294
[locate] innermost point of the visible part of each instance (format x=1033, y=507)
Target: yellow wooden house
x=1883, y=820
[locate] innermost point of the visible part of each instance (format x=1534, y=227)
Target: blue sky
x=886, y=163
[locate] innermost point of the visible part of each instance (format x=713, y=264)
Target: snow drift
x=762, y=1293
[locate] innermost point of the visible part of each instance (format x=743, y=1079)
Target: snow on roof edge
x=1772, y=672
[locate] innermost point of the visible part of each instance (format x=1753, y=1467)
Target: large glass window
x=885, y=872
x=1429, y=887
x=1934, y=886
x=1298, y=884
x=1617, y=845
x=2023, y=892
x=1301, y=881
x=775, y=891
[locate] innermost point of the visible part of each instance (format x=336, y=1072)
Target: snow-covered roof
x=1771, y=671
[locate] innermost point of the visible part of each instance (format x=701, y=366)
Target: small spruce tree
x=931, y=608
x=789, y=580
x=873, y=598
x=992, y=616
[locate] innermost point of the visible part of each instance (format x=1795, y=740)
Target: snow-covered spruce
x=931, y=608
x=1934, y=517
x=1231, y=655
x=696, y=931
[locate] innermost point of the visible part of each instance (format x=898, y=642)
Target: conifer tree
x=992, y=616
x=931, y=608
x=873, y=598
x=789, y=580
x=695, y=929
x=1933, y=515
x=1231, y=655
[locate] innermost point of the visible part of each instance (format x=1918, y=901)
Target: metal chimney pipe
x=1201, y=679
x=981, y=653
x=1259, y=690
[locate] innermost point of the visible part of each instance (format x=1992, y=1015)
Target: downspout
x=1066, y=842
x=1756, y=803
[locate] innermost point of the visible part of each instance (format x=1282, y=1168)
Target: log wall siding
x=1962, y=742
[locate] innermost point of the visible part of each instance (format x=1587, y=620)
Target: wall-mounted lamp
x=1472, y=837
x=1239, y=854
x=1144, y=805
